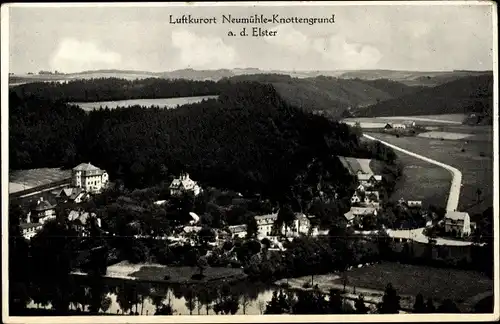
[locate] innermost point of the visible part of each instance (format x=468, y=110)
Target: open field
x=380, y=122
x=162, y=103
x=423, y=181
x=475, y=163
x=445, y=135
x=438, y=283
x=445, y=118
x=26, y=179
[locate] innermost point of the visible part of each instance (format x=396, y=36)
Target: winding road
x=456, y=181
x=452, y=204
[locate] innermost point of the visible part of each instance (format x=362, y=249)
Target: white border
x=238, y=318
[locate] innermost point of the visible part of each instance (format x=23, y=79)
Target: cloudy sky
x=141, y=38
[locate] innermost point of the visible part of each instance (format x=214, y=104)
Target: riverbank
x=153, y=272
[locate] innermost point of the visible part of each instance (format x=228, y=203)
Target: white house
x=265, y=224
x=41, y=212
x=458, y=222
x=301, y=225
x=184, y=184
x=399, y=126
x=89, y=177
x=414, y=203
x=238, y=231
x=30, y=229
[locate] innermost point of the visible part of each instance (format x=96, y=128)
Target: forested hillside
x=108, y=89
x=249, y=139
x=328, y=94
x=465, y=95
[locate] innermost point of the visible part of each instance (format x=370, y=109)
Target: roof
x=268, y=216
x=349, y=216
x=189, y=229
x=183, y=180
x=71, y=193
x=368, y=177
x=43, y=205
x=237, y=228
x=86, y=167
x=29, y=225
x=455, y=215
x=363, y=210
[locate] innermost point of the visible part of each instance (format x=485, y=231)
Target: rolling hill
x=412, y=78
x=465, y=95
x=330, y=95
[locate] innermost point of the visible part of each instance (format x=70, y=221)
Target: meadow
x=420, y=180
x=168, y=103
x=436, y=283
x=473, y=158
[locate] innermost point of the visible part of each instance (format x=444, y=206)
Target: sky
x=395, y=37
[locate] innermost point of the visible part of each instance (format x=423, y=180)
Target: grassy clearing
x=438, y=283
x=184, y=274
x=163, y=102
x=445, y=135
x=475, y=162
x=422, y=181
x=445, y=117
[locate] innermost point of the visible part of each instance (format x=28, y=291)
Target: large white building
x=89, y=177
x=265, y=224
x=184, y=184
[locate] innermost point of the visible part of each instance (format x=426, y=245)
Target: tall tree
x=390, y=301
x=419, y=306
x=360, y=305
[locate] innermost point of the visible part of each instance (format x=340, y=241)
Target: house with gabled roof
x=265, y=224
x=458, y=223
x=41, y=211
x=76, y=195
x=184, y=184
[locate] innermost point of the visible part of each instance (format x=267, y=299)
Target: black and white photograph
x=224, y=162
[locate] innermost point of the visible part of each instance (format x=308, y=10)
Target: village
x=364, y=215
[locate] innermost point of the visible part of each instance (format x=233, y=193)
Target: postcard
x=250, y=162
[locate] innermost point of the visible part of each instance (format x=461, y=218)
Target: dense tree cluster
x=469, y=94
x=110, y=89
